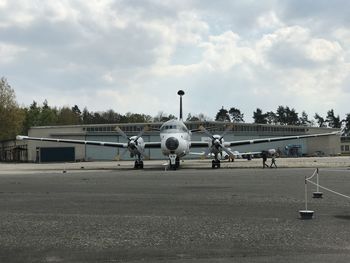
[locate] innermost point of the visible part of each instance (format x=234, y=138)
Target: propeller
x=217, y=141
x=132, y=142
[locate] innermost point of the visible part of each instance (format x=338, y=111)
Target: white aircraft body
x=175, y=142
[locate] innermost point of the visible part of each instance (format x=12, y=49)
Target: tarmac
x=109, y=212
x=302, y=162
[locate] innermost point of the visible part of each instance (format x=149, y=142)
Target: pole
x=180, y=93
x=305, y=194
x=317, y=187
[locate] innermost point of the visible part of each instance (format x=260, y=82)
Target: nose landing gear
x=174, y=161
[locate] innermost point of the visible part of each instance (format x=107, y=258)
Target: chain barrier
x=325, y=188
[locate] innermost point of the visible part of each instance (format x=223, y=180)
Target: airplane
x=175, y=142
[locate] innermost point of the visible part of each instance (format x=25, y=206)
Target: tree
x=66, y=116
x=271, y=117
x=87, y=117
x=304, y=119
x=111, y=116
x=287, y=116
x=320, y=120
x=98, y=118
x=281, y=116
x=259, y=117
x=192, y=118
x=333, y=121
x=47, y=115
x=203, y=117
x=199, y=117
x=236, y=115
x=32, y=117
x=76, y=111
x=292, y=117
x=11, y=116
x=222, y=115
x=162, y=117
x=137, y=118
x=347, y=125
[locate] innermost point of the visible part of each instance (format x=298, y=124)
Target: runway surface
x=189, y=215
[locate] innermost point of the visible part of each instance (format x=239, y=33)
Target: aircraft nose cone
x=172, y=143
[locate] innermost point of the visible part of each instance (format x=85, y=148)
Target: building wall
x=71, y=132
x=345, y=145
x=329, y=145
x=13, y=151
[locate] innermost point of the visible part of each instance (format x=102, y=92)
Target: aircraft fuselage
x=175, y=139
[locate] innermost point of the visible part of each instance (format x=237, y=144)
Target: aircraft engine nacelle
x=136, y=145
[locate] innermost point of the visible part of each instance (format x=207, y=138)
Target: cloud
x=269, y=20
x=111, y=53
x=9, y=53
x=296, y=47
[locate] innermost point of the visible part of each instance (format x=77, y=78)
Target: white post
x=317, y=181
x=305, y=194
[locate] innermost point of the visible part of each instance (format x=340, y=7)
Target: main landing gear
x=215, y=163
x=138, y=164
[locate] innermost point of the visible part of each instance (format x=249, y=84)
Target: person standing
x=264, y=158
x=273, y=161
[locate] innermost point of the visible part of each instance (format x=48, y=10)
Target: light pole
x=180, y=93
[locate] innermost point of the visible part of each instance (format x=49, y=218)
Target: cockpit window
x=178, y=126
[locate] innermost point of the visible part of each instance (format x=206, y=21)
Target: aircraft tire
x=138, y=164
x=177, y=162
x=215, y=164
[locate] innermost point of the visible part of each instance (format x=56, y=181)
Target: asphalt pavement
x=154, y=215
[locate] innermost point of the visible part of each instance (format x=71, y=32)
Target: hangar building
x=52, y=152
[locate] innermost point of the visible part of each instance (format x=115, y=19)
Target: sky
x=134, y=55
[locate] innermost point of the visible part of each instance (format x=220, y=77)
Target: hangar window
x=346, y=148
x=342, y=148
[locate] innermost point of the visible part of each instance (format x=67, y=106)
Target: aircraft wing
x=97, y=143
x=152, y=145
x=276, y=139
x=199, y=144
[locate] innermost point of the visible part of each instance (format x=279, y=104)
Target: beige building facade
x=39, y=151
